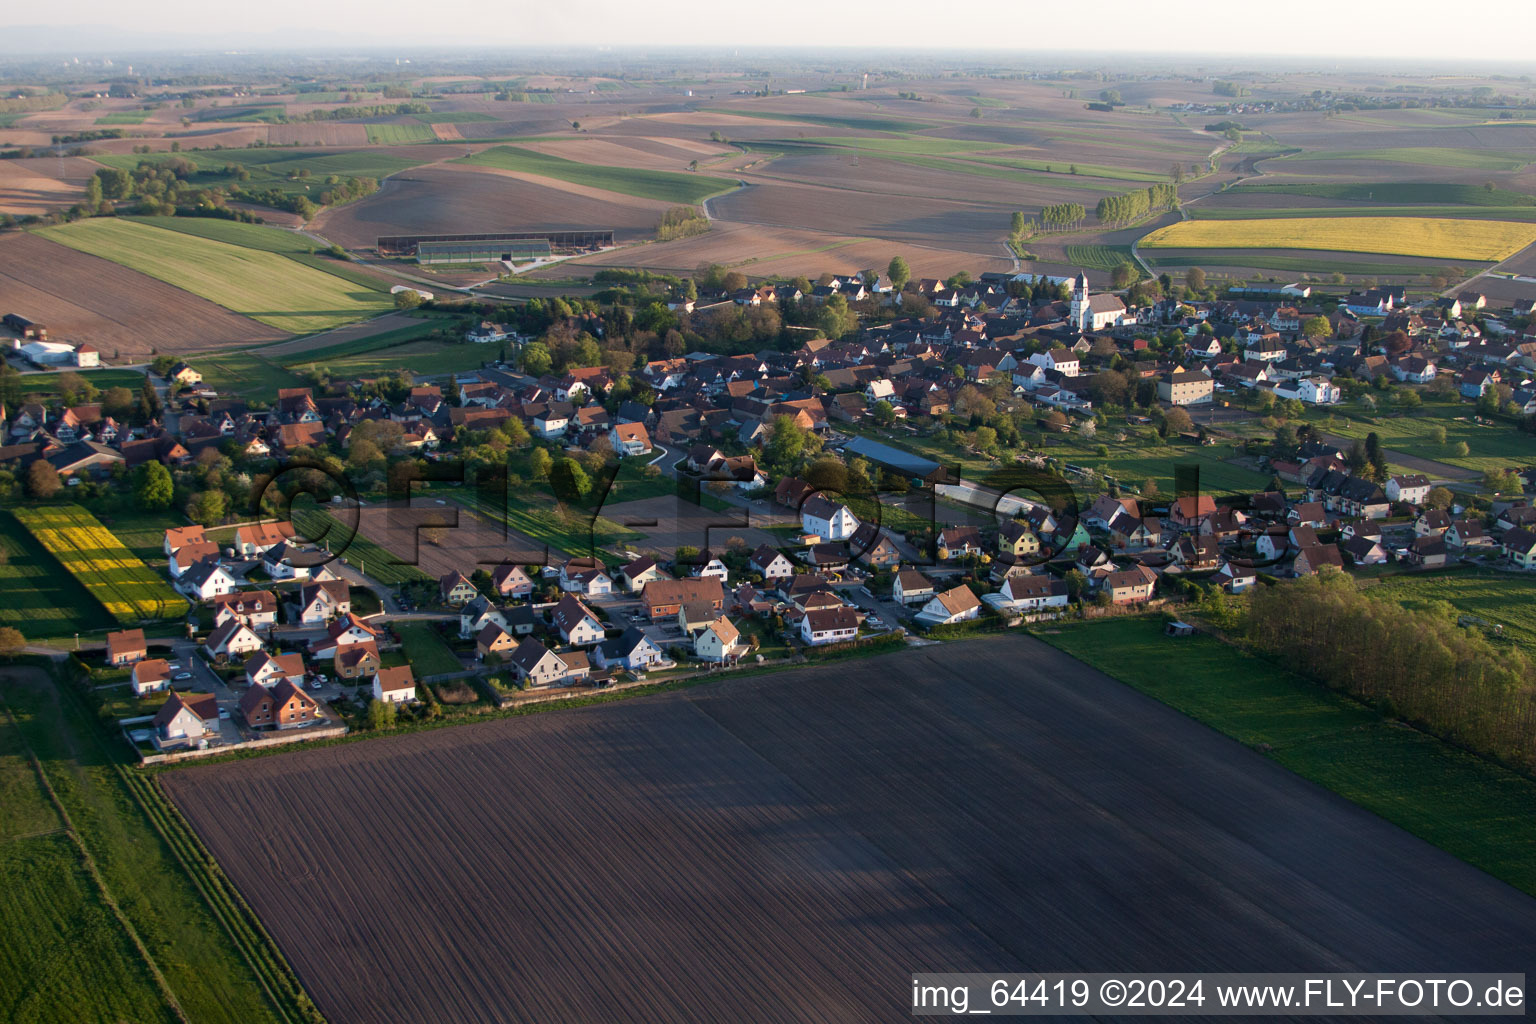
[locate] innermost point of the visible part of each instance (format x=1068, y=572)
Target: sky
x=1307, y=29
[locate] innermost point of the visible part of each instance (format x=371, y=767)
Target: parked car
x=223, y=712
x=182, y=676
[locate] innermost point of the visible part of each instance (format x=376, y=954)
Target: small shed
x=1176, y=628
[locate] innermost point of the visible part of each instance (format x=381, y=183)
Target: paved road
x=1438, y=472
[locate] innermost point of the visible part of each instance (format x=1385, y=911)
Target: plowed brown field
x=122, y=312
x=791, y=847
x=39, y=185
x=468, y=542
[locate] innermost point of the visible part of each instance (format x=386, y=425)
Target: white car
x=181, y=676
x=223, y=712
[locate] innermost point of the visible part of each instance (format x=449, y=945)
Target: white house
x=720, y=640
x=344, y=632
x=911, y=587
x=207, y=579
x=394, y=685
x=771, y=563
x=268, y=670
x=1063, y=360
x=630, y=439
x=576, y=623
x=319, y=603
x=150, y=676
x=829, y=625
x=1033, y=593
x=714, y=567
x=1412, y=488
x=234, y=639
x=633, y=650
x=829, y=520
x=186, y=718
x=255, y=608
x=954, y=605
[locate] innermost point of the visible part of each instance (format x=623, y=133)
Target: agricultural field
x=399, y=134
x=665, y=186
x=46, y=385
x=117, y=578
x=266, y=286
x=1501, y=600
x=1497, y=445
x=409, y=351
x=793, y=811
x=368, y=557
x=70, y=898
x=1477, y=811
x=1435, y=238
x=39, y=184
x=1401, y=192
x=122, y=312
x=36, y=595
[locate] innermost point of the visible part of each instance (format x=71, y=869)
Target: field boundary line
x=91, y=868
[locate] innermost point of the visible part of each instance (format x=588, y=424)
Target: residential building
x=954, y=605
x=234, y=639
x=1130, y=586
x=150, y=676
x=719, y=640
x=455, y=589
x=394, y=685
x=632, y=650
x=829, y=520
x=186, y=718
x=125, y=647
x=263, y=669
x=1186, y=387
x=829, y=625
x=662, y=599
x=576, y=623
x=911, y=587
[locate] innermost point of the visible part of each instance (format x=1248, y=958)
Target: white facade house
x=1033, y=593
x=1313, y=390
x=1412, y=488
x=394, y=685
x=829, y=625
x=829, y=520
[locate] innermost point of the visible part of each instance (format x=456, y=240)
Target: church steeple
x=1082, y=315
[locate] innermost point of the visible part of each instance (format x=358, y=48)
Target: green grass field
x=115, y=576
x=1277, y=259
x=422, y=355
x=453, y=117
x=261, y=284
x=361, y=346
x=244, y=374
x=277, y=167
x=124, y=117
x=1436, y=156
x=1480, y=812
x=299, y=248
x=668, y=186
x=1502, y=599
x=36, y=595
x=428, y=654
x=1401, y=192
x=871, y=123
x=1497, y=445
x=399, y=134
x=269, y=114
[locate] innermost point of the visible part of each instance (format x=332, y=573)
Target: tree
x=43, y=480
x=410, y=298
x=1439, y=497
x=363, y=455
x=1501, y=481
x=1460, y=450
x=1016, y=223
x=539, y=463
x=1195, y=279
x=381, y=714
x=899, y=273
x=884, y=413
x=206, y=508
x=537, y=360
x=1122, y=276
x=786, y=443
x=1316, y=327
x=569, y=481
x=1377, y=457
x=152, y=487
x=12, y=642
x=734, y=281
x=1435, y=435
x=117, y=403
x=1178, y=421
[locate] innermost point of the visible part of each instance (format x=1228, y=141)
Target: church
x=1093, y=312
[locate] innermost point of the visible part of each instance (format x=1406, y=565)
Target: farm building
x=897, y=461
x=24, y=328
x=494, y=246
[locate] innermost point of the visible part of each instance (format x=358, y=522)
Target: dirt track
x=790, y=847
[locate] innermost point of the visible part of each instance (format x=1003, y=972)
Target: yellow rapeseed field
x=1431, y=237
x=115, y=576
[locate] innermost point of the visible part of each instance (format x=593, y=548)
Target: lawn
x=426, y=650
x=1474, y=809
x=36, y=595
x=263, y=285
x=241, y=373
x=1435, y=238
x=69, y=956
x=361, y=346
x=46, y=385
x=668, y=186
x=300, y=248
x=399, y=134
x=1500, y=599
x=115, y=576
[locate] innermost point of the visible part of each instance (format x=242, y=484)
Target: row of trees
x=1133, y=206
x=1414, y=663
x=1063, y=216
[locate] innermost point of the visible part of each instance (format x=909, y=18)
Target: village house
x=510, y=580
x=1186, y=387
x=125, y=647
x=718, y=640
x=180, y=536
x=911, y=587
x=954, y=605
x=263, y=669
x=635, y=575
x=829, y=520
x=872, y=547
x=630, y=439
x=662, y=599
x=494, y=643
x=1131, y=586
x=1026, y=593
x=1015, y=540
x=829, y=625
x=631, y=650
x=587, y=576
x=205, y=580
x=150, y=676
x=356, y=661
x=258, y=538
x=284, y=706
x=344, y=632
x=1519, y=546
x=394, y=685
x=1410, y=488
x=255, y=608
x=455, y=589
x=1234, y=578
x=770, y=563
x=322, y=602
x=234, y=639
x=185, y=719
x=537, y=665
x=1312, y=557
x=576, y=623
